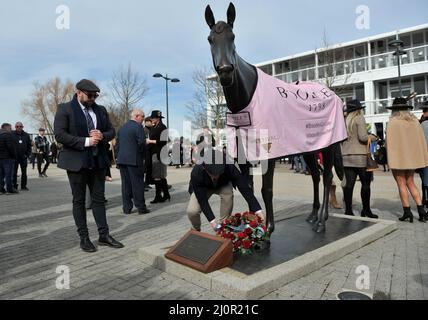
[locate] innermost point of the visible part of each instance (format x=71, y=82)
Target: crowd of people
x=89, y=144
x=17, y=151
x=397, y=153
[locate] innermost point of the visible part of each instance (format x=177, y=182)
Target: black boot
x=369, y=214
x=407, y=215
x=158, y=197
x=164, y=188
x=422, y=214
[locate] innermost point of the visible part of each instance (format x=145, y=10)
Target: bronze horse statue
x=239, y=81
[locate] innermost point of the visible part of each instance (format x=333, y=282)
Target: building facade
x=364, y=69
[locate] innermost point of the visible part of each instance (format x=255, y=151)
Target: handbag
x=371, y=162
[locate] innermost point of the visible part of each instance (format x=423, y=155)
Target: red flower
x=264, y=228
x=237, y=244
x=227, y=221
x=231, y=236
x=247, y=244
x=237, y=215
x=241, y=235
x=254, y=224
x=248, y=231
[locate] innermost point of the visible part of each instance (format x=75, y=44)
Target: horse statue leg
x=311, y=162
x=328, y=158
x=267, y=193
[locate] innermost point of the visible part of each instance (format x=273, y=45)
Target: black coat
x=71, y=130
x=155, y=134
x=42, y=144
x=23, y=144
x=7, y=145
x=130, y=144
x=200, y=182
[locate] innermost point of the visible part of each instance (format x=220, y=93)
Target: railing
x=380, y=106
x=385, y=60
x=378, y=61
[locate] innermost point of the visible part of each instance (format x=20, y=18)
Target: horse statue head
x=222, y=44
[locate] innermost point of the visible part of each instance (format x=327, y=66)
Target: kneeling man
x=217, y=178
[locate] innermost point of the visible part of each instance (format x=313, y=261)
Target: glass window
x=406, y=39
x=267, y=69
x=380, y=46
x=419, y=54
x=360, y=65
x=311, y=74
x=360, y=51
x=294, y=76
x=279, y=67
x=359, y=92
x=321, y=72
x=418, y=39
x=294, y=65
x=349, y=53
x=307, y=62
x=382, y=90
x=339, y=69
x=321, y=58
x=391, y=49
x=338, y=55
x=419, y=85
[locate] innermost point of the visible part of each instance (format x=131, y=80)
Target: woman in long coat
x=354, y=151
x=407, y=151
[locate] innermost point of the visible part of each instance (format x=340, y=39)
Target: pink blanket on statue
x=284, y=119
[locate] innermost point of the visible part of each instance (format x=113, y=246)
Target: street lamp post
x=174, y=80
x=397, y=44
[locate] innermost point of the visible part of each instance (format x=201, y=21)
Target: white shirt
x=93, y=117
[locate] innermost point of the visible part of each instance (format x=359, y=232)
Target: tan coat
x=406, y=145
x=354, y=150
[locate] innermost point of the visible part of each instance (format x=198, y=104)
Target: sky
x=169, y=37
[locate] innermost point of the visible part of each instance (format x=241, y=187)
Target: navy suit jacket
x=71, y=130
x=131, y=144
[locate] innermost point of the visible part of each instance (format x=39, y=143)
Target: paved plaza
x=37, y=235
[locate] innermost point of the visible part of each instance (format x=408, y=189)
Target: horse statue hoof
x=312, y=218
x=319, y=228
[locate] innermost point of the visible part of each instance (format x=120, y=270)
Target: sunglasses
x=91, y=95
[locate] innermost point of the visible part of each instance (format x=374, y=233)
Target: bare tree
x=330, y=77
x=41, y=107
x=128, y=89
x=208, y=94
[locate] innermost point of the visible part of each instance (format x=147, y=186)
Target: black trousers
x=95, y=180
x=40, y=158
x=132, y=188
x=22, y=162
x=365, y=179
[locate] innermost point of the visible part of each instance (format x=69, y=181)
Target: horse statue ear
x=231, y=14
x=209, y=17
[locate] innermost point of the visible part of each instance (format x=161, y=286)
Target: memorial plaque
x=202, y=252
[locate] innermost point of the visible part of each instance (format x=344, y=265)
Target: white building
x=365, y=69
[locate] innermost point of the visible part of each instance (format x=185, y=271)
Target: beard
x=88, y=104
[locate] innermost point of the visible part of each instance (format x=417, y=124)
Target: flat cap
x=87, y=86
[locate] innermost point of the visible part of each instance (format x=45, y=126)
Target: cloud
x=169, y=36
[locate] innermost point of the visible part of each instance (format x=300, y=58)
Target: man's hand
x=97, y=134
x=214, y=224
x=93, y=141
x=261, y=215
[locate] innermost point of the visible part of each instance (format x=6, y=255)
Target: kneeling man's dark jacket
x=200, y=182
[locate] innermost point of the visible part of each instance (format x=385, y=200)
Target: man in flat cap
x=84, y=129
